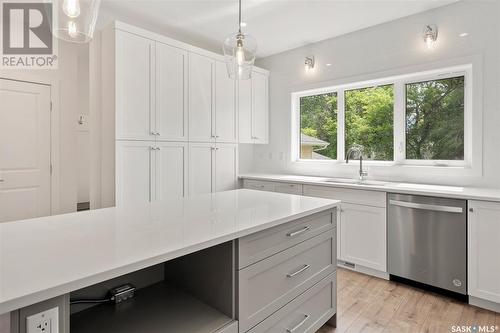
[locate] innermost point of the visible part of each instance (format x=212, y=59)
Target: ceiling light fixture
x=76, y=20
x=309, y=63
x=239, y=50
x=430, y=35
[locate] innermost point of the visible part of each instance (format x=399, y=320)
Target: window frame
x=399, y=117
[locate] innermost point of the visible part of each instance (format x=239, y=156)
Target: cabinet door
x=171, y=170
x=484, y=250
x=134, y=171
x=201, y=101
x=363, y=236
x=171, y=93
x=201, y=168
x=226, y=166
x=225, y=105
x=245, y=111
x=260, y=108
x=134, y=81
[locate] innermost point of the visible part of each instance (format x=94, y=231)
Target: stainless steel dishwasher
x=428, y=241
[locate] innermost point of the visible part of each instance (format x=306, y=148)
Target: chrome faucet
x=359, y=153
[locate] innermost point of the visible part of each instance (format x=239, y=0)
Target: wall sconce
x=309, y=63
x=430, y=35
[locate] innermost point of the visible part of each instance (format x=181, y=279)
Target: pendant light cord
x=239, y=17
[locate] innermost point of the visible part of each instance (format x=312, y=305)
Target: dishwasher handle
x=437, y=208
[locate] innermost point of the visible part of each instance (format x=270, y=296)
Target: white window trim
x=399, y=118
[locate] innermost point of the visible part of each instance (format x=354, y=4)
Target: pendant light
x=239, y=50
x=76, y=20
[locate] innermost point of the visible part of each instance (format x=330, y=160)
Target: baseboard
x=482, y=303
x=363, y=269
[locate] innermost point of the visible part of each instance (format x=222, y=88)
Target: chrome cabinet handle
x=298, y=232
x=155, y=133
x=437, y=208
x=255, y=138
x=296, y=327
x=303, y=269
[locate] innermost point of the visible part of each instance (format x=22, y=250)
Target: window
x=435, y=119
x=420, y=119
x=369, y=114
x=318, y=126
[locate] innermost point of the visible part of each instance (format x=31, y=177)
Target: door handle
x=296, y=327
x=437, y=208
x=303, y=269
x=298, y=232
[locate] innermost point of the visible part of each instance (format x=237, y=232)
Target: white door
x=134, y=82
x=201, y=101
x=226, y=166
x=201, y=168
x=171, y=170
x=135, y=177
x=225, y=105
x=484, y=250
x=245, y=111
x=363, y=236
x=260, y=108
x=25, y=190
x=171, y=93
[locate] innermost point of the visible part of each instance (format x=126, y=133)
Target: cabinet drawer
x=307, y=313
x=288, y=188
x=266, y=243
x=258, y=185
x=362, y=197
x=270, y=284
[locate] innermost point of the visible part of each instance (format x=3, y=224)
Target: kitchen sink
x=355, y=181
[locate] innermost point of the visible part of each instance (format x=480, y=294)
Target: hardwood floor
x=370, y=304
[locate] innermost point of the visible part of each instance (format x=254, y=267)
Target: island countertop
x=46, y=257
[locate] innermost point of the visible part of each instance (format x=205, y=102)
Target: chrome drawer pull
x=305, y=268
x=298, y=232
x=296, y=327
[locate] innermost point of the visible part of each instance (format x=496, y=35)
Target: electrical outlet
x=43, y=322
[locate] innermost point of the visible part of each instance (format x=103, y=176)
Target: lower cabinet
x=289, y=188
x=363, y=236
x=484, y=251
x=212, y=167
x=149, y=171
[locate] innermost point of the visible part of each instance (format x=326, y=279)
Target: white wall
x=385, y=50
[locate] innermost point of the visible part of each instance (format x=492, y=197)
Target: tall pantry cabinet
x=175, y=115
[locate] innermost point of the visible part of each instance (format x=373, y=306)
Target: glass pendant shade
x=239, y=50
x=76, y=20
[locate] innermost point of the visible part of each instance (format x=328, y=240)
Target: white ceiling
x=278, y=25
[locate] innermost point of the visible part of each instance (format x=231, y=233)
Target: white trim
x=28, y=77
x=472, y=149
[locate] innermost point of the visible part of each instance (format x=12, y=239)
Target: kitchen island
x=242, y=260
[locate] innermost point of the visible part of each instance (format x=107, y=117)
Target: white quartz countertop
x=46, y=257
x=457, y=192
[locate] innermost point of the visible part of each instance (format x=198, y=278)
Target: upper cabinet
x=253, y=107
x=171, y=93
x=226, y=117
x=135, y=118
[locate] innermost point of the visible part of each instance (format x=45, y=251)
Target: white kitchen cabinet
x=363, y=236
x=201, y=98
x=226, y=167
x=135, y=114
x=484, y=250
x=149, y=171
x=253, y=109
x=260, y=108
x=134, y=171
x=212, y=167
x=171, y=170
x=226, y=120
x=171, y=93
